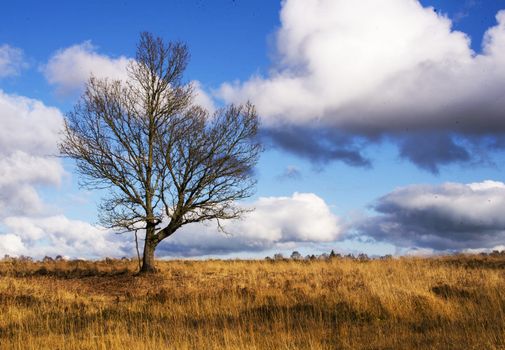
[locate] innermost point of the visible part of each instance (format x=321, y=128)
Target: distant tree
x=495, y=253
x=332, y=254
x=296, y=255
x=278, y=256
x=165, y=161
x=25, y=258
x=363, y=257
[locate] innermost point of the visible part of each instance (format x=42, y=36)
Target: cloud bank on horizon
x=450, y=216
x=276, y=223
x=350, y=73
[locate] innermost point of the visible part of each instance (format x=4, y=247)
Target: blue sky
x=367, y=112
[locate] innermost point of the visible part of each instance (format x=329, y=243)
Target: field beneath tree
x=453, y=302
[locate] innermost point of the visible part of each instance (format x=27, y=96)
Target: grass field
x=409, y=303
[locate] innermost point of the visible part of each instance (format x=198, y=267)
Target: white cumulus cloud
x=275, y=221
x=28, y=149
x=371, y=69
x=202, y=98
x=68, y=69
x=28, y=160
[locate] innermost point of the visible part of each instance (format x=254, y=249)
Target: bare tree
x=165, y=161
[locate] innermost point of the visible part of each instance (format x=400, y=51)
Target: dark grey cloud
x=447, y=216
x=317, y=145
x=215, y=245
x=432, y=150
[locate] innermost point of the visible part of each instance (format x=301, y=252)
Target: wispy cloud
x=290, y=173
x=12, y=61
x=464, y=11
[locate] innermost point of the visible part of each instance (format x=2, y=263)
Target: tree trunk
x=151, y=242
x=148, y=256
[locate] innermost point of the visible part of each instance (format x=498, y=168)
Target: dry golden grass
x=409, y=303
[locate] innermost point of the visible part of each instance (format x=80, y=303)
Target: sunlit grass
x=437, y=303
